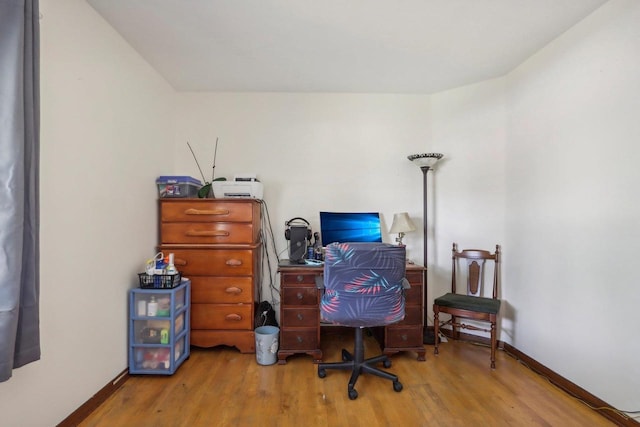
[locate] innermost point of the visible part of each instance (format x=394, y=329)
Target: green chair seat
x=465, y=302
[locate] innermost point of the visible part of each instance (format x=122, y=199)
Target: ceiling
x=374, y=46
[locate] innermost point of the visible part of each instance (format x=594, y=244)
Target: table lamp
x=401, y=224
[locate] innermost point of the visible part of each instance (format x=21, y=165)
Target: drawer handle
x=299, y=278
x=234, y=262
x=192, y=211
x=299, y=295
x=234, y=317
x=300, y=316
x=299, y=339
x=404, y=337
x=233, y=290
x=207, y=233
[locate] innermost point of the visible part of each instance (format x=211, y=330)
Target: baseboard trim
x=572, y=389
x=96, y=400
x=611, y=413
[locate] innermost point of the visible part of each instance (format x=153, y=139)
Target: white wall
x=313, y=152
x=544, y=162
x=106, y=131
x=572, y=205
x=467, y=187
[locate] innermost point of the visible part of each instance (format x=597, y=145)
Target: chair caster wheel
x=322, y=372
x=353, y=394
x=387, y=363
x=397, y=386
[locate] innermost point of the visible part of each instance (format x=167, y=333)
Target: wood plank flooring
x=222, y=387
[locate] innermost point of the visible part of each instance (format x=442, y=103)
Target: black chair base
x=357, y=364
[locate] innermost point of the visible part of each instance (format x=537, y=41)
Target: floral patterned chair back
x=363, y=284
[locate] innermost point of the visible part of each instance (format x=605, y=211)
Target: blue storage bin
x=178, y=186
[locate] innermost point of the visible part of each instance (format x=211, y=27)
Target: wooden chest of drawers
x=216, y=243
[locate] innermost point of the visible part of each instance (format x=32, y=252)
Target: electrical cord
x=266, y=237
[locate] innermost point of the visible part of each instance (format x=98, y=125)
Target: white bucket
x=266, y=344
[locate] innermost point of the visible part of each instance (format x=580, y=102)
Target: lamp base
x=428, y=337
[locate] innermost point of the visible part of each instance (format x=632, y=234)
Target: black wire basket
x=159, y=281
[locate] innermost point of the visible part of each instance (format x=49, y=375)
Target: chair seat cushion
x=465, y=302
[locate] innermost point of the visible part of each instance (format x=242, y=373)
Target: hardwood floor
x=222, y=387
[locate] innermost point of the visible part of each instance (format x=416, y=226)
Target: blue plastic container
x=178, y=186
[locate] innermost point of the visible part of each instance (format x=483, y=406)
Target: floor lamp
x=425, y=162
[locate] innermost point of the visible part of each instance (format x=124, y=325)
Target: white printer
x=242, y=186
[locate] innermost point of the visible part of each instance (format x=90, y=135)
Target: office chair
x=363, y=287
x=470, y=305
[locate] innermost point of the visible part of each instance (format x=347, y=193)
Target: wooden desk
x=300, y=314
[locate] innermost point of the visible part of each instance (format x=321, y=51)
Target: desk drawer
x=299, y=339
x=414, y=277
x=221, y=316
x=300, y=317
x=412, y=316
x=413, y=295
x=294, y=296
x=221, y=290
x=299, y=279
x=404, y=336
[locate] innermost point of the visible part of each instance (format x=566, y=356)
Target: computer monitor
x=345, y=227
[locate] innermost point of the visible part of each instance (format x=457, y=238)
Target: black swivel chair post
x=357, y=364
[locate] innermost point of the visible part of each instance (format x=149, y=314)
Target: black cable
x=268, y=227
x=266, y=234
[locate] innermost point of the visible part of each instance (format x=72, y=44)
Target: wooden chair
x=470, y=305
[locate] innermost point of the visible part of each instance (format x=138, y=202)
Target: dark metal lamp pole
x=425, y=162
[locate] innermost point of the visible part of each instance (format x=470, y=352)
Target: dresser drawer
x=209, y=210
x=244, y=340
x=221, y=316
x=208, y=233
x=300, y=317
x=295, y=296
x=219, y=262
x=211, y=289
x=299, y=339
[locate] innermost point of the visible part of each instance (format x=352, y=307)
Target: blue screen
x=344, y=227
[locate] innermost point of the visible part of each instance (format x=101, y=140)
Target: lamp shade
x=401, y=223
x=425, y=160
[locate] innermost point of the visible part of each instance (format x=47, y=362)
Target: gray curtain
x=19, y=175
